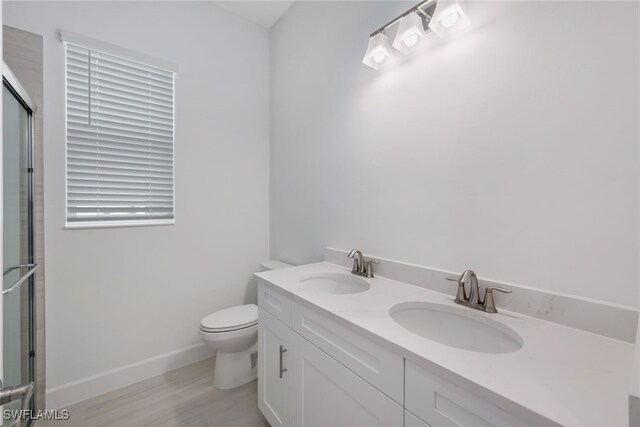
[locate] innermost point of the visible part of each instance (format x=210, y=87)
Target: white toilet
x=233, y=334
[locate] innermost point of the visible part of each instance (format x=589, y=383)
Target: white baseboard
x=86, y=388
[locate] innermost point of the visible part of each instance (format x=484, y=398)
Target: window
x=120, y=140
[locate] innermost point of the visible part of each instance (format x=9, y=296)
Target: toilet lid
x=232, y=318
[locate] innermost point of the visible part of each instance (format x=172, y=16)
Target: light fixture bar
x=440, y=17
x=417, y=8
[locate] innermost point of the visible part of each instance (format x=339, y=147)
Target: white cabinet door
x=326, y=394
x=274, y=376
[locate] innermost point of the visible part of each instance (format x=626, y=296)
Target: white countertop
x=561, y=374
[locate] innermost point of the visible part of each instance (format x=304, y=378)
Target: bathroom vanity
x=340, y=350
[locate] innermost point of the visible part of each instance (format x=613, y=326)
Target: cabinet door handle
x=282, y=352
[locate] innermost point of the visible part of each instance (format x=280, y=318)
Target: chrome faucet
x=361, y=266
x=358, y=261
x=474, y=301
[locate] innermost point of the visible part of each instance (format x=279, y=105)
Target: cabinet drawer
x=442, y=404
x=275, y=302
x=375, y=364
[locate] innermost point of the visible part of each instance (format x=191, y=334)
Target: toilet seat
x=230, y=319
x=233, y=334
x=219, y=330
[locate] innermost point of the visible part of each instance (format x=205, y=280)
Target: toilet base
x=234, y=369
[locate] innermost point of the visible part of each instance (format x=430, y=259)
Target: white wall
x=511, y=149
x=120, y=296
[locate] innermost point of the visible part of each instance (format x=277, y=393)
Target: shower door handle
x=16, y=267
x=22, y=392
x=20, y=281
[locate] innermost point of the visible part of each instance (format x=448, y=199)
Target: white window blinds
x=120, y=139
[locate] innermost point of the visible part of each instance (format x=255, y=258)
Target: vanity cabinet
x=300, y=385
x=314, y=371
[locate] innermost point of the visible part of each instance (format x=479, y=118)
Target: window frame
x=94, y=45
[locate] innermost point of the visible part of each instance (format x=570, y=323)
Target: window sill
x=114, y=224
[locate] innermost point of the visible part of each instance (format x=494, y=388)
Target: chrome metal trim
x=489, y=302
x=17, y=88
x=417, y=8
x=486, y=304
x=13, y=85
x=21, y=280
x=22, y=392
x=16, y=267
x=361, y=265
x=358, y=261
x=282, y=369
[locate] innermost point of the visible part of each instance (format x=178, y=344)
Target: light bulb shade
x=450, y=16
x=410, y=32
x=379, y=52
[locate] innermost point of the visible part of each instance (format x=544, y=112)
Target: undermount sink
x=456, y=327
x=335, y=283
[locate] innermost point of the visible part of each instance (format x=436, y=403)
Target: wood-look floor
x=184, y=397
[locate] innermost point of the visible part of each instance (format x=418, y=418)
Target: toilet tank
x=273, y=264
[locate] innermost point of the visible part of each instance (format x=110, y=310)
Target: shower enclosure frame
x=13, y=85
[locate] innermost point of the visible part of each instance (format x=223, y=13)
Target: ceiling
x=264, y=13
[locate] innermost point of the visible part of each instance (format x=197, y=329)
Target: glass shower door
x=18, y=260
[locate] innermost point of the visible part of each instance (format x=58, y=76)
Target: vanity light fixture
x=449, y=16
x=441, y=17
x=410, y=32
x=379, y=52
